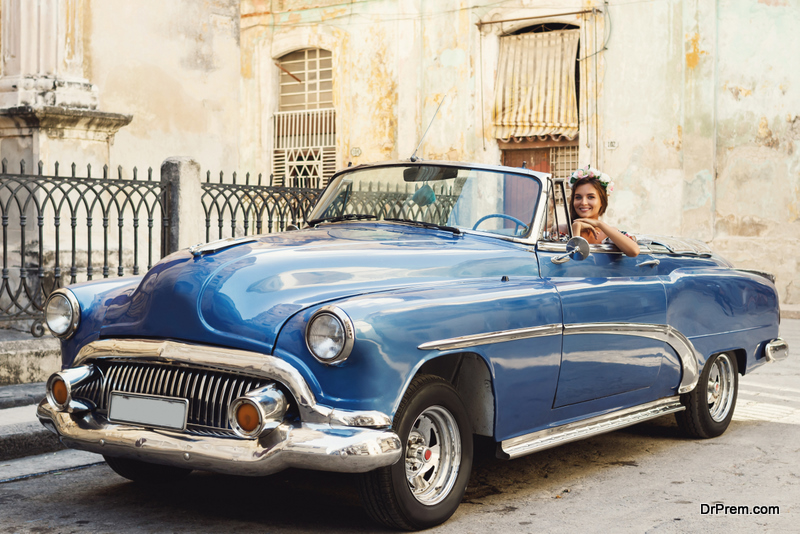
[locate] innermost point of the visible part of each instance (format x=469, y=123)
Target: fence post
x=185, y=208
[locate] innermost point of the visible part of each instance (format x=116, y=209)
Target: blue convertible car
x=426, y=302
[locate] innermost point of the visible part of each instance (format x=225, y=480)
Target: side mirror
x=577, y=249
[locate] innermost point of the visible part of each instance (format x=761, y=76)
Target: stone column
x=185, y=206
x=48, y=109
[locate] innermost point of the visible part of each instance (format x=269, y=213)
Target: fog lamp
x=60, y=393
x=247, y=417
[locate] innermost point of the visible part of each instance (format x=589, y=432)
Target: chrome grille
x=209, y=392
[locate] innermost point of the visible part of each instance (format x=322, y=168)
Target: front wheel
x=709, y=407
x=426, y=486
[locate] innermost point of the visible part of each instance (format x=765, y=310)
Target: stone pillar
x=185, y=205
x=48, y=109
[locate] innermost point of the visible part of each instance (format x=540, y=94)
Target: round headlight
x=329, y=335
x=61, y=313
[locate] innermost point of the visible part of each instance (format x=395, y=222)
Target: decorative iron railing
x=304, y=145
x=58, y=230
x=247, y=209
x=396, y=204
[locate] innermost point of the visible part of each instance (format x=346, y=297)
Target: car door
x=614, y=308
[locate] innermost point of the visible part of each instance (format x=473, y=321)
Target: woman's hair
x=601, y=194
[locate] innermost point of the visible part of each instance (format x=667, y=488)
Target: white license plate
x=147, y=410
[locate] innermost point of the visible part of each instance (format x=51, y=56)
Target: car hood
x=241, y=295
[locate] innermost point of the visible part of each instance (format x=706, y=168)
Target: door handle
x=648, y=263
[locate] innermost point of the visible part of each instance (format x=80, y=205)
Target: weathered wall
x=757, y=216
x=693, y=107
x=174, y=66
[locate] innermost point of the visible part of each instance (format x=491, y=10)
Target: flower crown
x=590, y=172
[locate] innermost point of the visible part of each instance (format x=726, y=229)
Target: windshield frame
x=534, y=231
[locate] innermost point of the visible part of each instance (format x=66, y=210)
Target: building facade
x=692, y=106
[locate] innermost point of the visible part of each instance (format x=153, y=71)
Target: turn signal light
x=60, y=394
x=247, y=417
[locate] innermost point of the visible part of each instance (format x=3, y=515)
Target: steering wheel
x=503, y=216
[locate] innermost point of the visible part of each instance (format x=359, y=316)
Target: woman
x=588, y=201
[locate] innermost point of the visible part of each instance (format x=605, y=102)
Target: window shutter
x=535, y=88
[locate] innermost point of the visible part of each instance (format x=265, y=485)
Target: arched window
x=306, y=80
x=304, y=146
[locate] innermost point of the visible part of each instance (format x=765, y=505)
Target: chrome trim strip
x=680, y=343
x=492, y=337
x=239, y=361
x=561, y=246
x=552, y=437
x=776, y=350
x=304, y=445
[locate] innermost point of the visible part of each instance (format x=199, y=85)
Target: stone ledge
x=26, y=440
x=790, y=311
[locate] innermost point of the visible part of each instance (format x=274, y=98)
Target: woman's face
x=587, y=202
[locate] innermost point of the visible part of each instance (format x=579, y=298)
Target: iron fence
x=51, y=232
x=383, y=202
x=255, y=208
x=59, y=230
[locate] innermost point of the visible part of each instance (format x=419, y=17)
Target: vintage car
x=425, y=303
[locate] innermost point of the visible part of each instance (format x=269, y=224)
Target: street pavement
x=630, y=478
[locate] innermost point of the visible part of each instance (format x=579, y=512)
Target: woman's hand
x=627, y=245
x=590, y=225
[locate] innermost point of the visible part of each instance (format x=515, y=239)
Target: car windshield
x=453, y=198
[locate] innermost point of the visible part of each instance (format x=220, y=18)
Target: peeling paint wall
x=693, y=106
x=174, y=66
x=758, y=130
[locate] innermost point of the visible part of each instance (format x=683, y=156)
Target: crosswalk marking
x=770, y=387
x=751, y=393
x=762, y=401
x=747, y=410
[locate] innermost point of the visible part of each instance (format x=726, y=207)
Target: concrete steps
x=21, y=434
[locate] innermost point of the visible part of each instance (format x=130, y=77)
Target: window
x=306, y=80
x=304, y=147
x=536, y=86
x=536, y=99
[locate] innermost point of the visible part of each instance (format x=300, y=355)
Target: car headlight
x=62, y=313
x=330, y=335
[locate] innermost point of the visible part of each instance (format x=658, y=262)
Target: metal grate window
x=563, y=161
x=306, y=80
x=304, y=143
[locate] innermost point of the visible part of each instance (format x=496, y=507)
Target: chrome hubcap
x=433, y=455
x=720, y=388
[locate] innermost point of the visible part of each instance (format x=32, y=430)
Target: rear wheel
x=709, y=407
x=144, y=472
x=425, y=487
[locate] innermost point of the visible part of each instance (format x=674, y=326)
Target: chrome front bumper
x=318, y=446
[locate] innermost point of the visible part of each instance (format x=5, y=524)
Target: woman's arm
x=627, y=245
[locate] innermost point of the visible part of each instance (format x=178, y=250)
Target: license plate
x=147, y=410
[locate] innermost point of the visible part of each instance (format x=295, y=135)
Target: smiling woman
x=589, y=200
